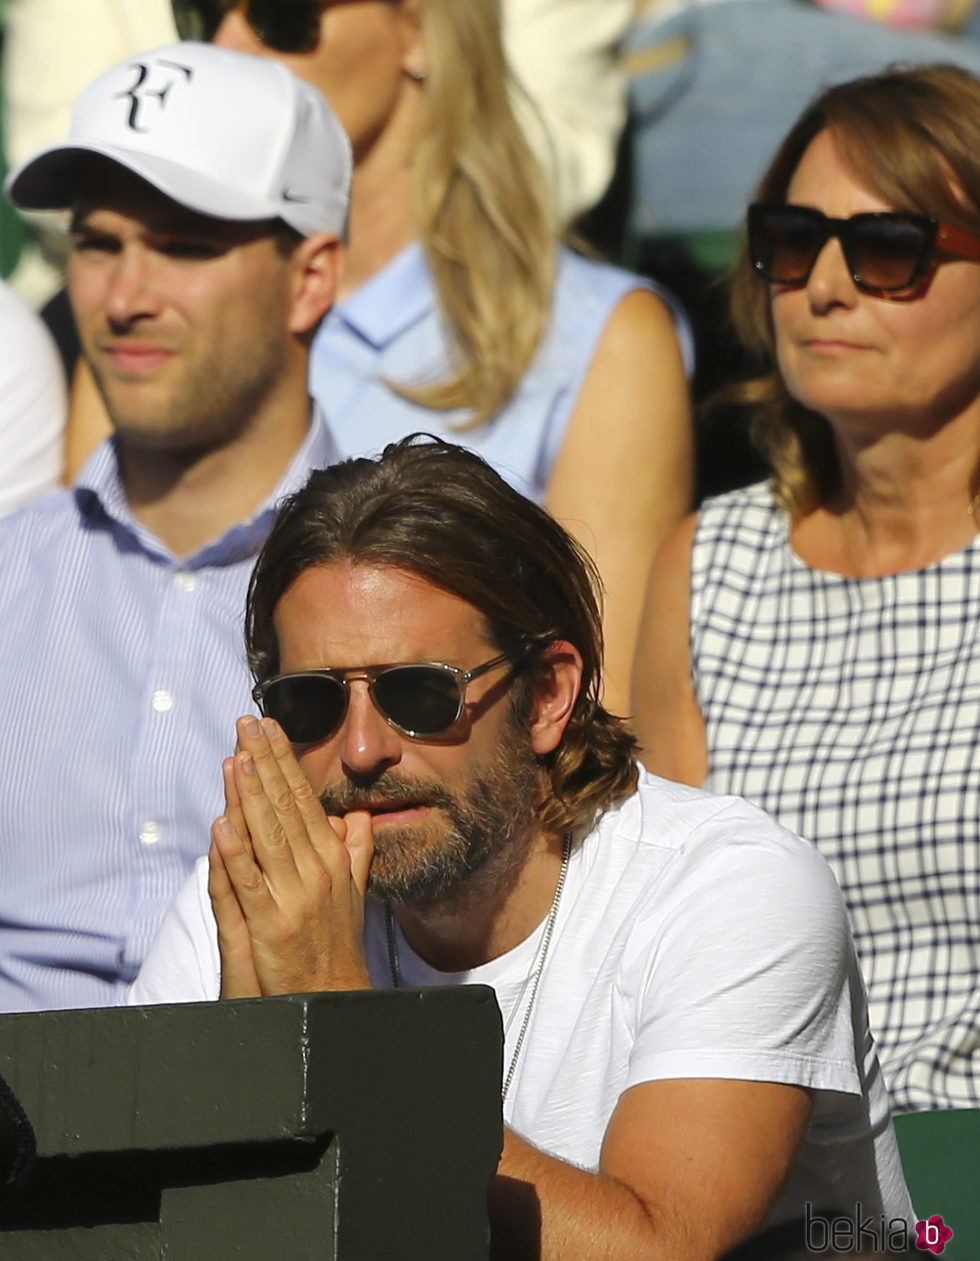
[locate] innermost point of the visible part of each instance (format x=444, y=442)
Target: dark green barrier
x=941, y=1156
x=350, y=1126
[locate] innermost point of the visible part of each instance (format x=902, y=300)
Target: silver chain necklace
x=533, y=977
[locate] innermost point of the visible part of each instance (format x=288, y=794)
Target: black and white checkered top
x=849, y=708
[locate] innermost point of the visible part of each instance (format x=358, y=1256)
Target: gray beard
x=489, y=825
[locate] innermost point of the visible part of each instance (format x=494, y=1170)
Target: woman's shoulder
x=588, y=292
x=737, y=530
x=752, y=507
x=577, y=272
x=595, y=286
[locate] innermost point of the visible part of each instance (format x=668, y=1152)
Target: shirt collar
x=99, y=486
x=390, y=302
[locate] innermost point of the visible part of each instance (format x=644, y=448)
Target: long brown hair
x=439, y=511
x=913, y=137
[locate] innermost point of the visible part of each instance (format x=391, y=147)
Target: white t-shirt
x=695, y=938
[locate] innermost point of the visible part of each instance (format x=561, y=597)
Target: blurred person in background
x=33, y=403
x=53, y=49
x=461, y=313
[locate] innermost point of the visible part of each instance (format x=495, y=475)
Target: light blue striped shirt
x=122, y=671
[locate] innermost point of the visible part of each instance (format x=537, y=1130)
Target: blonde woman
x=461, y=313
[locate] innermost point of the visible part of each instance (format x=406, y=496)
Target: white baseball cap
x=221, y=132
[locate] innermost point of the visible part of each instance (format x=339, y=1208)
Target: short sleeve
x=752, y=972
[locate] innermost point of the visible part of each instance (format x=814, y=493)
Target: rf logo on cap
x=141, y=89
x=223, y=133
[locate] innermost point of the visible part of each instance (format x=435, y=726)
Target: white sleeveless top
x=849, y=709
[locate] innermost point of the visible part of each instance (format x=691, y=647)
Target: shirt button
x=163, y=701
x=150, y=833
x=184, y=581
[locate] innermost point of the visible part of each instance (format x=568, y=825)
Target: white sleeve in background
x=33, y=405
x=565, y=55
x=183, y=964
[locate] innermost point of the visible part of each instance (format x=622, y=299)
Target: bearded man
x=435, y=795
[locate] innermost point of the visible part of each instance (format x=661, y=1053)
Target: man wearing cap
x=208, y=193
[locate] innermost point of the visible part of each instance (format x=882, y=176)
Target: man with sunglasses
x=208, y=194
x=436, y=795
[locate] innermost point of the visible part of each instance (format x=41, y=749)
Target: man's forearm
x=543, y=1207
x=688, y=1169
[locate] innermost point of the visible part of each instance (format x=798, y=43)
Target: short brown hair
x=442, y=512
x=913, y=137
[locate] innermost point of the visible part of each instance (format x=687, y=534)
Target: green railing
x=352, y=1126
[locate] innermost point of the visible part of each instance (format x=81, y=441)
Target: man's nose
x=369, y=744
x=131, y=291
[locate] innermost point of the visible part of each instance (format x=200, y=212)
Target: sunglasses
x=420, y=700
x=885, y=253
x=288, y=26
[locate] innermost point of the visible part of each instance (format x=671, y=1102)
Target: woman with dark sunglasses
x=461, y=312
x=813, y=642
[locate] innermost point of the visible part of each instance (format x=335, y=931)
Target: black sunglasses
x=288, y=26
x=421, y=700
x=885, y=253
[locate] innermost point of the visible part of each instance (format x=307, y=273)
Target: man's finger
x=272, y=836
x=242, y=866
x=238, y=978
x=278, y=802
x=324, y=836
x=233, y=805
x=359, y=842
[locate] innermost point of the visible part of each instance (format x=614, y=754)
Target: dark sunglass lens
x=886, y=251
x=420, y=699
x=308, y=707
x=785, y=243
x=289, y=26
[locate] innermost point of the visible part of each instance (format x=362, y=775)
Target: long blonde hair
x=913, y=137
x=483, y=211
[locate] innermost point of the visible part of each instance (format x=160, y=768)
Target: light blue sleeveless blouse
x=390, y=330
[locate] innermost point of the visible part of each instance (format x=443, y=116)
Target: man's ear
x=557, y=681
x=318, y=265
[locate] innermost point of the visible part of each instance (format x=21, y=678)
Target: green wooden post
x=349, y=1126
